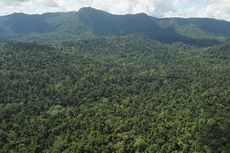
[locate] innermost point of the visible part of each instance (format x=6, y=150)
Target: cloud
x=28, y=6
x=160, y=8
x=210, y=8
x=13, y=2
x=152, y=7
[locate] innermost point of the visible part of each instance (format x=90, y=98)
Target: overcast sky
x=219, y=9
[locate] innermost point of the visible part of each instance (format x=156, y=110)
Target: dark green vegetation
x=123, y=94
x=92, y=82
x=89, y=22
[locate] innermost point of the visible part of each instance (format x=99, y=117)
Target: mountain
x=90, y=22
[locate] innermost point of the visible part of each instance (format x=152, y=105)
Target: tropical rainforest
x=92, y=82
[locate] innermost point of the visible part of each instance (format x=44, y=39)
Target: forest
x=121, y=94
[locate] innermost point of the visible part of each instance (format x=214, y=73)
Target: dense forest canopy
x=92, y=82
x=124, y=94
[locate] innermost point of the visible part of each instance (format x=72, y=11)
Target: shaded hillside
x=89, y=22
x=205, y=25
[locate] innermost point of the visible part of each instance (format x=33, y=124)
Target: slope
x=89, y=22
x=123, y=94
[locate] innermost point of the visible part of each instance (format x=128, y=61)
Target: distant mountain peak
x=91, y=10
x=87, y=9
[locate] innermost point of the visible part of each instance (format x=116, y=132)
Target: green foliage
x=89, y=22
x=121, y=94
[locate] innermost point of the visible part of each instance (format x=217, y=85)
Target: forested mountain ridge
x=122, y=94
x=93, y=82
x=89, y=22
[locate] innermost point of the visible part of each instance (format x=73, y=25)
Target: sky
x=219, y=9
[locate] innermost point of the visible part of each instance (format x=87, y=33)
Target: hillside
x=122, y=94
x=94, y=82
x=89, y=22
